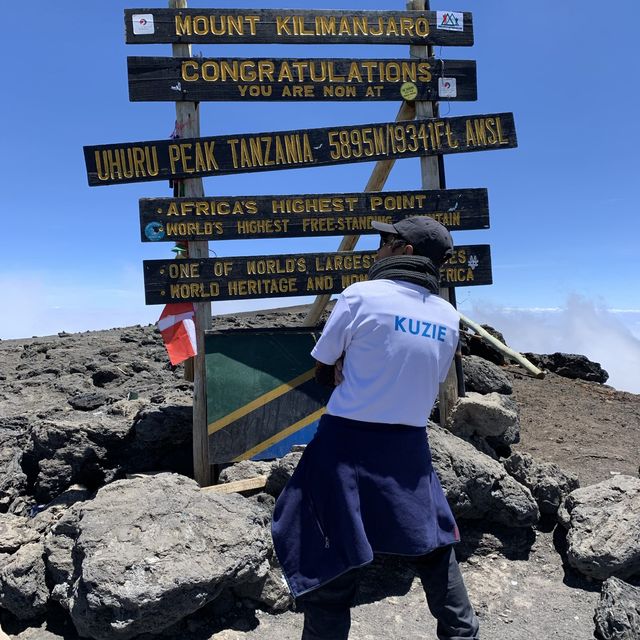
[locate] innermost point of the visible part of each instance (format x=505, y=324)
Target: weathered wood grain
x=241, y=153
x=297, y=26
x=298, y=79
x=252, y=277
x=305, y=215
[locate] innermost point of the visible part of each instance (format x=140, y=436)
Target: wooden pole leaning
x=376, y=182
x=432, y=174
x=188, y=126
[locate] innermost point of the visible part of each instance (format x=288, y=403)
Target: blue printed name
x=421, y=328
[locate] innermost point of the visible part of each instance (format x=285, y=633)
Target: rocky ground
x=78, y=412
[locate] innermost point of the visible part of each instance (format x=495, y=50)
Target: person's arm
x=332, y=344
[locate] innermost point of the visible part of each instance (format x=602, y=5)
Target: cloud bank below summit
x=608, y=336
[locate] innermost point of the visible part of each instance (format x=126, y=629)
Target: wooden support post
x=188, y=126
x=432, y=172
x=376, y=182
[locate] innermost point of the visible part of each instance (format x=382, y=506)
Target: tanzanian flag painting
x=262, y=397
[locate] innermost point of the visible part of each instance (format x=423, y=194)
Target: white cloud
x=608, y=336
x=44, y=304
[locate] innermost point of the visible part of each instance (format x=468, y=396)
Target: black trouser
x=327, y=613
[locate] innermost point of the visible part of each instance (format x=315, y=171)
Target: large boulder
x=147, y=552
x=281, y=471
x=23, y=589
x=492, y=416
x=603, y=522
x=66, y=451
x=617, y=615
x=14, y=532
x=476, y=345
x=570, y=365
x=548, y=483
x=476, y=486
x=483, y=376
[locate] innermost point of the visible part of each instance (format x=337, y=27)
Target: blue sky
x=564, y=205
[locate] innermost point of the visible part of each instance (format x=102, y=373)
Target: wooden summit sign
x=240, y=153
x=286, y=216
x=293, y=26
x=244, y=277
x=217, y=79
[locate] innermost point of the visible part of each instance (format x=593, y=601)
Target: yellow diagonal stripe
x=281, y=435
x=259, y=401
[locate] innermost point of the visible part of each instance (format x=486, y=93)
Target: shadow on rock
x=484, y=539
x=571, y=577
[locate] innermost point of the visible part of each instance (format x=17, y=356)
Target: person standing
x=365, y=483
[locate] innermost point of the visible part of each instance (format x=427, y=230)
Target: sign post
x=190, y=217
x=432, y=174
x=188, y=126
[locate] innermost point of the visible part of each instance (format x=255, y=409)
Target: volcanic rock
x=492, y=416
x=13, y=480
x=281, y=470
x=23, y=589
x=476, y=486
x=617, y=615
x=147, y=552
x=570, y=365
x=244, y=470
x=603, y=522
x=547, y=482
x=483, y=376
x=478, y=346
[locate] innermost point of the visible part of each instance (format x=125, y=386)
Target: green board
x=262, y=397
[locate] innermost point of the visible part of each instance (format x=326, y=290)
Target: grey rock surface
x=603, y=522
x=244, y=470
x=478, y=346
x=270, y=592
x=492, y=416
x=145, y=553
x=548, y=483
x=13, y=480
x=281, y=471
x=482, y=376
x=58, y=428
x=14, y=532
x=476, y=486
x=23, y=590
x=617, y=615
x=570, y=365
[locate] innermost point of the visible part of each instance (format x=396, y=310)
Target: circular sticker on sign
x=409, y=91
x=154, y=231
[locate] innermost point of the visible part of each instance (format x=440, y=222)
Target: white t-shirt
x=399, y=341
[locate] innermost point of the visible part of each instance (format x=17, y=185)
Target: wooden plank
x=252, y=277
x=298, y=79
x=242, y=153
x=297, y=26
x=305, y=215
x=238, y=486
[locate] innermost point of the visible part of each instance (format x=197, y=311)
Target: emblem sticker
x=447, y=87
x=142, y=24
x=409, y=91
x=154, y=231
x=450, y=20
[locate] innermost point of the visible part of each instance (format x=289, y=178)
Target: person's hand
x=337, y=372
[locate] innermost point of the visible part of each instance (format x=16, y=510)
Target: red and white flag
x=178, y=331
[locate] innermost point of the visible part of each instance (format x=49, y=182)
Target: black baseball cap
x=427, y=237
